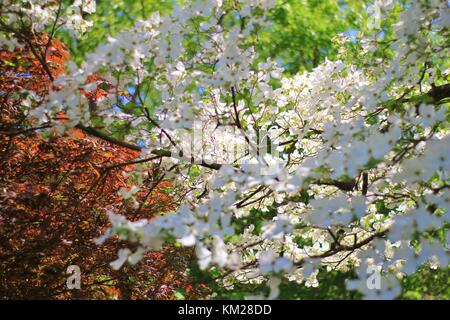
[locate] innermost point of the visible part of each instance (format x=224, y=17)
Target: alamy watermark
x=210, y=144
x=74, y=280
x=373, y=281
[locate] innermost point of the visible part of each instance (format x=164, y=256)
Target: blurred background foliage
x=299, y=35
x=111, y=17
x=300, y=32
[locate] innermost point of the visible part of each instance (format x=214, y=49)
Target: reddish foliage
x=54, y=195
x=21, y=69
x=102, y=90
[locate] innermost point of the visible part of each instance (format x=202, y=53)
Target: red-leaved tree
x=55, y=193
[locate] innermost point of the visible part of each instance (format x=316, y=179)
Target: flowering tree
x=344, y=167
